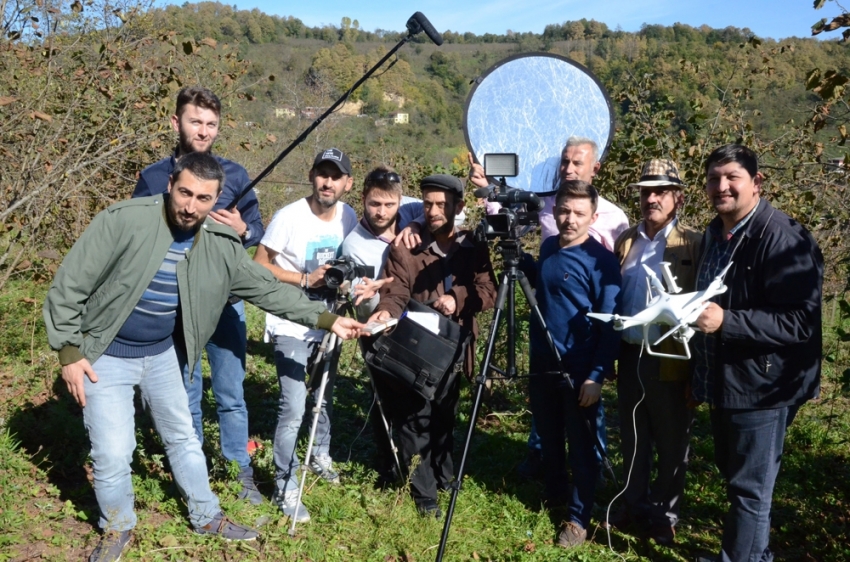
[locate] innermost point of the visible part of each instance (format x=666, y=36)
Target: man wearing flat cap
x=296, y=247
x=652, y=390
x=452, y=273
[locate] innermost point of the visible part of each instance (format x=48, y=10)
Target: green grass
x=47, y=507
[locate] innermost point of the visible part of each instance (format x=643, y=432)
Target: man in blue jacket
x=759, y=356
x=196, y=122
x=576, y=275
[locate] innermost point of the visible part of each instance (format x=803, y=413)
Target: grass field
x=48, y=511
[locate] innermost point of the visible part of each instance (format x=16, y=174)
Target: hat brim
x=338, y=165
x=657, y=183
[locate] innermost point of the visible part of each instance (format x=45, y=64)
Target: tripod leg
x=504, y=287
x=535, y=310
x=329, y=345
x=386, y=424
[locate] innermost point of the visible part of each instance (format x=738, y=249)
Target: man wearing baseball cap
x=452, y=273
x=651, y=390
x=298, y=242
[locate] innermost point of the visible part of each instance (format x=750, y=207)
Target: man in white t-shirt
x=299, y=240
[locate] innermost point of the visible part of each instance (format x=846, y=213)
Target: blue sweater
x=570, y=283
x=154, y=180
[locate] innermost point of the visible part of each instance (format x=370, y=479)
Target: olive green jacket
x=108, y=269
x=682, y=252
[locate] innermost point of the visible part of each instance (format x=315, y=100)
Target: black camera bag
x=416, y=357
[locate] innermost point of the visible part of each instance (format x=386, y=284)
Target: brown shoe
x=572, y=534
x=664, y=535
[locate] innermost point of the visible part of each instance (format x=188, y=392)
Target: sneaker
x=322, y=465
x=110, y=547
x=227, y=529
x=290, y=506
x=572, y=534
x=530, y=468
x=428, y=508
x=249, y=488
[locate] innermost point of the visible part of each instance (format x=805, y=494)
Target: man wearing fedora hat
x=652, y=395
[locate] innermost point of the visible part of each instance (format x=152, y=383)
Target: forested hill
x=690, y=67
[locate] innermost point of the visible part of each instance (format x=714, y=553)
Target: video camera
x=519, y=207
x=345, y=269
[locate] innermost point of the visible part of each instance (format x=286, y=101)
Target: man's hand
x=233, y=219
x=368, y=288
x=73, y=374
x=711, y=318
x=476, y=172
x=316, y=278
x=589, y=393
x=445, y=304
x=380, y=316
x=347, y=328
x=409, y=236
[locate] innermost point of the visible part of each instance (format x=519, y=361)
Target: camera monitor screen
x=529, y=105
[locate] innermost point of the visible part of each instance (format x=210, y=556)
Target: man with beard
x=196, y=122
x=452, y=273
x=652, y=391
x=385, y=212
x=149, y=276
x=301, y=238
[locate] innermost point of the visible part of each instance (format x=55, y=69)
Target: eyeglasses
x=379, y=177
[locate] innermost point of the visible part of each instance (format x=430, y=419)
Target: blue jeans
x=109, y=420
x=561, y=420
x=534, y=437
x=291, y=357
x=748, y=451
x=226, y=354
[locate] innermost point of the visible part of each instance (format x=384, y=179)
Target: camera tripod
x=509, y=250
x=330, y=348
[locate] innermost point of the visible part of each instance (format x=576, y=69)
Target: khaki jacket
x=682, y=252
x=108, y=269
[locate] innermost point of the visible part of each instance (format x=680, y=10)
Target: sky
x=775, y=19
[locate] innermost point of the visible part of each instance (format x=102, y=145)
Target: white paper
x=428, y=320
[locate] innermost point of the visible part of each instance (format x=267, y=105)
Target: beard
x=180, y=221
x=184, y=144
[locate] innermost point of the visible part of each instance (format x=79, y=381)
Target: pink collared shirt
x=612, y=222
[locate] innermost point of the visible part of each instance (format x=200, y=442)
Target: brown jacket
x=419, y=274
x=682, y=252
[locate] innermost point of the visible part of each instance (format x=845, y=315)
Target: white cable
x=634, y=454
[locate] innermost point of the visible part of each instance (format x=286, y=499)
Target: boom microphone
x=418, y=22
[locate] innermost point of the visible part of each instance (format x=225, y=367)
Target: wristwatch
x=246, y=234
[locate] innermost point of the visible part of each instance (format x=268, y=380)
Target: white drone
x=669, y=309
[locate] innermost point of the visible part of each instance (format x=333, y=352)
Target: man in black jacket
x=759, y=356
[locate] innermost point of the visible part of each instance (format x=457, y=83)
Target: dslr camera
x=344, y=269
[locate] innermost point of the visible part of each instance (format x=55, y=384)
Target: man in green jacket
x=141, y=290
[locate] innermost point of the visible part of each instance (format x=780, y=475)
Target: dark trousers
x=424, y=429
x=561, y=419
x=663, y=419
x=748, y=451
